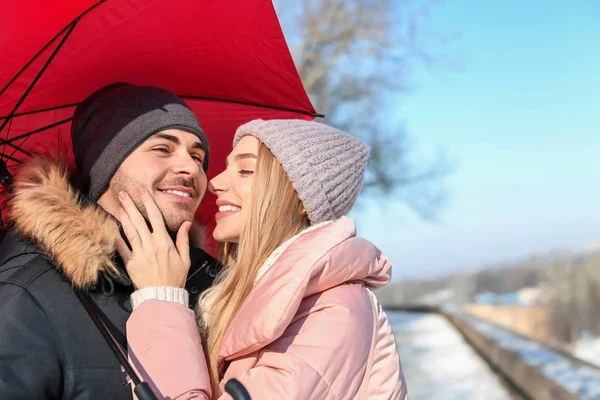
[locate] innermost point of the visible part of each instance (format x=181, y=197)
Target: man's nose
x=185, y=164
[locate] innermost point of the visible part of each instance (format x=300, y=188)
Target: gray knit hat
x=110, y=123
x=326, y=166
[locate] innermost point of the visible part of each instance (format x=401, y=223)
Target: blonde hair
x=276, y=214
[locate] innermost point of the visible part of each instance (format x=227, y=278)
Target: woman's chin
x=221, y=235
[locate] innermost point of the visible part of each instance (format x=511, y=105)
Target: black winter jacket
x=49, y=346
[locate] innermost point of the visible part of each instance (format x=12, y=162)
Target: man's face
x=169, y=166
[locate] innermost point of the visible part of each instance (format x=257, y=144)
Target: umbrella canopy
x=227, y=59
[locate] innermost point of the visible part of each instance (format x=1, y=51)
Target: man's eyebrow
x=241, y=157
x=175, y=139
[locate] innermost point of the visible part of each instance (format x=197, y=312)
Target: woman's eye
x=245, y=172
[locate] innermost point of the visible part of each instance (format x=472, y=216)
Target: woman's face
x=233, y=189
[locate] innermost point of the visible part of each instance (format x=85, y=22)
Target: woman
x=293, y=315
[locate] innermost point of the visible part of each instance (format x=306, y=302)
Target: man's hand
x=154, y=260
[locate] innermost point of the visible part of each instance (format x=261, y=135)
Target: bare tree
x=563, y=323
x=576, y=286
x=353, y=57
x=589, y=291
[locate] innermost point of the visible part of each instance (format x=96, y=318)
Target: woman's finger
x=183, y=242
x=130, y=231
x=154, y=214
x=136, y=218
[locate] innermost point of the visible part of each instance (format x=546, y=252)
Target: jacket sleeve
x=166, y=350
x=322, y=355
x=30, y=366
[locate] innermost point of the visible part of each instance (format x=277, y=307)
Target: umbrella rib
x=11, y=158
x=38, y=76
x=5, y=143
x=15, y=149
x=68, y=29
x=25, y=135
x=19, y=148
x=249, y=103
x=7, y=133
x=41, y=110
x=10, y=141
x=47, y=45
x=5, y=88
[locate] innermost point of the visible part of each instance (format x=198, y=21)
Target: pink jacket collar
x=314, y=262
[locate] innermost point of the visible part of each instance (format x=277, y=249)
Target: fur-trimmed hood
x=46, y=209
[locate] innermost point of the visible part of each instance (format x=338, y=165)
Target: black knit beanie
x=109, y=124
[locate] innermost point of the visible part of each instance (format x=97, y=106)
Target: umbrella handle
x=143, y=391
x=237, y=390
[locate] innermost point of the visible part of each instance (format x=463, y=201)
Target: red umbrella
x=227, y=59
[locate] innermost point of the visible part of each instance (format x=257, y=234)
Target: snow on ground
x=588, y=350
x=575, y=378
x=438, y=363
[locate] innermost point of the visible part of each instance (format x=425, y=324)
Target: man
x=63, y=238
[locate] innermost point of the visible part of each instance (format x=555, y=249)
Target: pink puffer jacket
x=310, y=329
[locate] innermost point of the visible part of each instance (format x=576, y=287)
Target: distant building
x=532, y=296
x=497, y=299
x=524, y=311
x=526, y=297
x=485, y=298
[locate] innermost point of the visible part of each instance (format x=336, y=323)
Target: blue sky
x=520, y=119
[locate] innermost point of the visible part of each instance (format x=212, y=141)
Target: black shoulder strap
x=141, y=389
x=30, y=271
